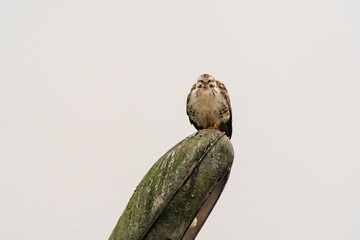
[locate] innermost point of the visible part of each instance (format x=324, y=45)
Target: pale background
x=92, y=93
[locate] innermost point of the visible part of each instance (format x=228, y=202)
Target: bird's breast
x=207, y=103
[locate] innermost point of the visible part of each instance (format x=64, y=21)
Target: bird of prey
x=208, y=105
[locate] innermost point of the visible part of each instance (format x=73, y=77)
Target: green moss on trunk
x=183, y=184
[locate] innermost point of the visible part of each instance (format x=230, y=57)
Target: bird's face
x=206, y=81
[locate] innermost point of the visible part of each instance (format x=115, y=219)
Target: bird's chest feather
x=207, y=101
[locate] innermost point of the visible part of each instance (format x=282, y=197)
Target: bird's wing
x=225, y=94
x=188, y=108
x=188, y=98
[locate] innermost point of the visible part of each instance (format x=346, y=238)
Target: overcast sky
x=92, y=93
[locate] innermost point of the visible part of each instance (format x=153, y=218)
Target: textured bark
x=183, y=184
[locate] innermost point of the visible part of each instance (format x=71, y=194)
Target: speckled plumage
x=208, y=105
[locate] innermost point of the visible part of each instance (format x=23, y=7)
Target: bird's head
x=205, y=81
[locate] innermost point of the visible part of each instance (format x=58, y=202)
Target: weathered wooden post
x=183, y=184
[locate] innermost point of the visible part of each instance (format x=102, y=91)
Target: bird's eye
x=212, y=85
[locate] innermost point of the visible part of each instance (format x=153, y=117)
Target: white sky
x=92, y=93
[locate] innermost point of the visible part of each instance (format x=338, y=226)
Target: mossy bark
x=183, y=184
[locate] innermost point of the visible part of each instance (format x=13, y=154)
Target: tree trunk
x=183, y=184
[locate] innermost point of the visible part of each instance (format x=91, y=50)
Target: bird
x=208, y=105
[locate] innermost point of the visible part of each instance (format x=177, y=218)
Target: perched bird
x=208, y=105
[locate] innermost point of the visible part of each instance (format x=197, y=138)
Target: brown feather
x=228, y=125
